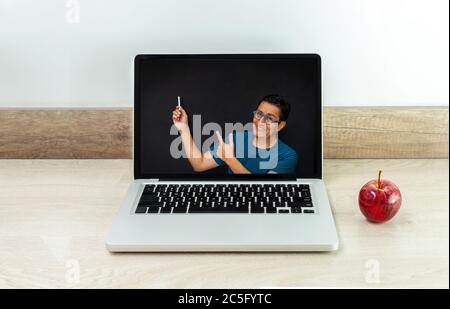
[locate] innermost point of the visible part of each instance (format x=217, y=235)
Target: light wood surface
x=55, y=214
x=349, y=132
x=65, y=133
x=386, y=132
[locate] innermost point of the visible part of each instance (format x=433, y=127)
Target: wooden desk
x=55, y=214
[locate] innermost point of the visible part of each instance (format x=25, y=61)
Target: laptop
x=227, y=156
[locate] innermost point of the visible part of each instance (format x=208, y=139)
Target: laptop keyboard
x=226, y=198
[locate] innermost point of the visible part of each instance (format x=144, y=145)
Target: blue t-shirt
x=280, y=158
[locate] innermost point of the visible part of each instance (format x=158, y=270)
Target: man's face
x=266, y=120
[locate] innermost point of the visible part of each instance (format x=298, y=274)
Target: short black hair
x=280, y=102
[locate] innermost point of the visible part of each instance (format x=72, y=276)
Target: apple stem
x=379, y=180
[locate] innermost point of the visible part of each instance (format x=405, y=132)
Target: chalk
x=179, y=101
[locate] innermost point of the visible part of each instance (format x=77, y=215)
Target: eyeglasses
x=269, y=119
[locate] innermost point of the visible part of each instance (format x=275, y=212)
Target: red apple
x=379, y=199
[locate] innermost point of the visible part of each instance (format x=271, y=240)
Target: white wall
x=375, y=52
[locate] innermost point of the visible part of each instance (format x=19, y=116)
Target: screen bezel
x=138, y=174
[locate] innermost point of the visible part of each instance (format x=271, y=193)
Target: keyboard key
x=148, y=199
x=283, y=211
x=154, y=205
x=257, y=209
x=149, y=189
x=294, y=204
x=271, y=210
x=195, y=210
x=296, y=210
x=308, y=211
x=218, y=210
x=165, y=210
x=179, y=210
x=141, y=210
x=306, y=194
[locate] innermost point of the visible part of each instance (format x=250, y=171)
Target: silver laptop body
x=156, y=232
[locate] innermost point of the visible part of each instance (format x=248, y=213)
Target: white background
x=374, y=52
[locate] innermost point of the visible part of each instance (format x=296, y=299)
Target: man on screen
x=247, y=152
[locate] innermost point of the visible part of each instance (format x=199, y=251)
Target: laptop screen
x=228, y=117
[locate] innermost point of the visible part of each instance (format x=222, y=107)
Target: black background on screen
x=226, y=90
